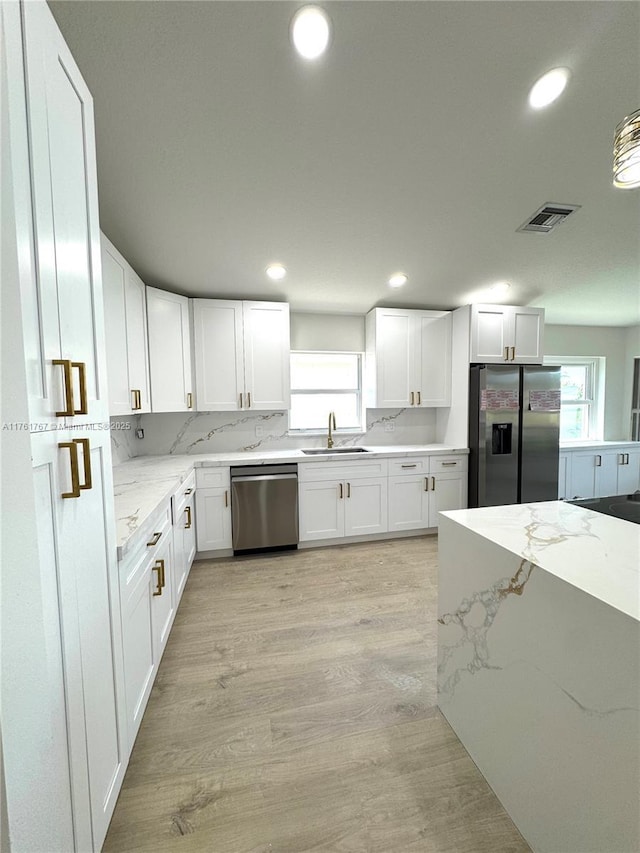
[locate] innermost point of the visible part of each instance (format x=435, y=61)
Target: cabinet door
x=394, y=357
x=448, y=492
x=115, y=310
x=213, y=519
x=321, y=510
x=490, y=329
x=169, y=351
x=432, y=332
x=137, y=349
x=606, y=464
x=584, y=475
x=408, y=502
x=138, y=648
x=365, y=507
x=162, y=596
x=219, y=360
x=267, y=355
x=526, y=334
x=628, y=471
x=65, y=210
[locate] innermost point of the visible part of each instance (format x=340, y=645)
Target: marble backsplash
x=221, y=432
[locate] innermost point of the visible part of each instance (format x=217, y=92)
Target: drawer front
x=408, y=465
x=448, y=463
x=311, y=472
x=182, y=495
x=212, y=478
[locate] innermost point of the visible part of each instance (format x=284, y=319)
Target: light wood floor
x=294, y=710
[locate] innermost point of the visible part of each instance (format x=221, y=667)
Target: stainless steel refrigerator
x=514, y=434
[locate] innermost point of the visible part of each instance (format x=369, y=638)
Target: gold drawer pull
x=448, y=464
x=86, y=458
x=72, y=447
x=513, y=353
x=188, y=492
x=433, y=483
x=155, y=540
x=412, y=398
x=409, y=466
x=82, y=379
x=68, y=388
x=419, y=398
x=341, y=492
x=189, y=400
x=159, y=568
x=506, y=353
x=187, y=509
x=137, y=400
x=426, y=484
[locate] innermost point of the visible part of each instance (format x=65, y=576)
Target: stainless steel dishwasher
x=264, y=507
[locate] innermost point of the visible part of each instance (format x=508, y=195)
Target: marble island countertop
x=595, y=553
x=143, y=484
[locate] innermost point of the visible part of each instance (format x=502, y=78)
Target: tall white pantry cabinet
x=64, y=754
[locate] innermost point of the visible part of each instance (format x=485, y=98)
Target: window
x=323, y=382
x=580, y=387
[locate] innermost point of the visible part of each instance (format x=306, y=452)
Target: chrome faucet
x=332, y=421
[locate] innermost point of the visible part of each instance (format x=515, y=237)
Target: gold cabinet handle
x=433, y=484
x=82, y=380
x=248, y=399
x=409, y=466
x=188, y=492
x=137, y=399
x=86, y=458
x=506, y=353
x=158, y=567
x=419, y=395
x=348, y=490
x=189, y=400
x=448, y=464
x=68, y=388
x=513, y=353
x=240, y=395
x=226, y=498
x=412, y=398
x=340, y=495
x=155, y=540
x=426, y=484
x=598, y=461
x=72, y=447
x=627, y=462
x=187, y=509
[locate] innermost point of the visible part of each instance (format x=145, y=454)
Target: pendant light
x=626, y=152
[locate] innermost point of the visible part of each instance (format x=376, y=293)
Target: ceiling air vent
x=547, y=217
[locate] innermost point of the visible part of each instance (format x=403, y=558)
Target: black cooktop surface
x=620, y=506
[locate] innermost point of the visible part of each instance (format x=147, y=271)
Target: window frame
x=359, y=392
x=594, y=402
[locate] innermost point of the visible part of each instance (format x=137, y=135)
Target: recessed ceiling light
x=501, y=288
x=397, y=279
x=310, y=31
x=549, y=87
x=276, y=272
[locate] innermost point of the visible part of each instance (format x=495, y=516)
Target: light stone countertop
x=593, y=552
x=585, y=445
x=143, y=485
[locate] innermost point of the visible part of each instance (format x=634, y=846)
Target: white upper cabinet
x=408, y=358
x=169, y=351
x=126, y=339
x=506, y=334
x=242, y=352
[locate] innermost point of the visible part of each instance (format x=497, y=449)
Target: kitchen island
x=539, y=667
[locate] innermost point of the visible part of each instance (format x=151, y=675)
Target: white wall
x=616, y=345
x=328, y=332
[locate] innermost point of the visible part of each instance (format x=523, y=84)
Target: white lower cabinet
x=184, y=534
x=448, y=491
x=421, y=487
x=408, y=502
x=599, y=471
x=320, y=510
x=213, y=509
x=148, y=609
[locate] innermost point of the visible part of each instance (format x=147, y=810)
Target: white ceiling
x=410, y=146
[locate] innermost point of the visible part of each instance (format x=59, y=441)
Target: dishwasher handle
x=251, y=478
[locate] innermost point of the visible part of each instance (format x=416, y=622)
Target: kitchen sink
x=316, y=451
